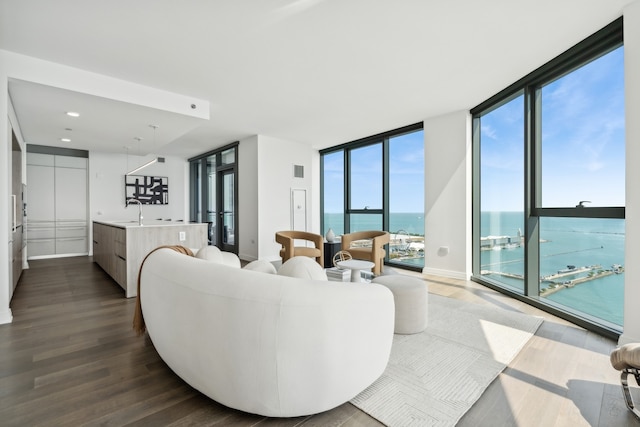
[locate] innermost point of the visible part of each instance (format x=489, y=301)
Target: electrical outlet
x=443, y=251
x=183, y=236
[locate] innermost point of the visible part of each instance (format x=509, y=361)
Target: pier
x=561, y=280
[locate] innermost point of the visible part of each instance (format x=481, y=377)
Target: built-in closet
x=16, y=206
x=57, y=220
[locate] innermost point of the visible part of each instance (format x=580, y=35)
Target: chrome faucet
x=129, y=201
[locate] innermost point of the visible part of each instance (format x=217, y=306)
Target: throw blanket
x=138, y=319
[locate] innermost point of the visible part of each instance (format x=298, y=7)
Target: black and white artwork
x=150, y=190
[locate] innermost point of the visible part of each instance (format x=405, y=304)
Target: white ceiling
x=320, y=72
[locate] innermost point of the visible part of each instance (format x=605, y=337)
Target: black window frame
x=593, y=47
x=381, y=138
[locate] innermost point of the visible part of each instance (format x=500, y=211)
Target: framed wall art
x=150, y=190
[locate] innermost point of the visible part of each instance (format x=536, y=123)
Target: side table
x=356, y=265
x=330, y=249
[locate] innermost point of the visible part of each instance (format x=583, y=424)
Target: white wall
x=447, y=166
x=631, y=331
x=248, y=209
x=265, y=181
x=276, y=158
x=106, y=187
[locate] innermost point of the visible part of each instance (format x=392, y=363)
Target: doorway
x=214, y=196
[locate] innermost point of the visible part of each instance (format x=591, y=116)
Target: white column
x=447, y=195
x=631, y=332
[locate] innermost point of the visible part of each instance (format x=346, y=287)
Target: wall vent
x=298, y=171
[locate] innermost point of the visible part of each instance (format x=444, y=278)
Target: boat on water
x=569, y=269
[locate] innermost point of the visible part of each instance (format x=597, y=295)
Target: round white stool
x=410, y=295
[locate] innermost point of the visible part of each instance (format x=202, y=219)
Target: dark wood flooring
x=70, y=358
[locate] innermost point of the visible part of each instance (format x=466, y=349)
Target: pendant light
x=152, y=161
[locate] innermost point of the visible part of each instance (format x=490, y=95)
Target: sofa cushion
x=213, y=254
x=262, y=266
x=302, y=267
x=210, y=253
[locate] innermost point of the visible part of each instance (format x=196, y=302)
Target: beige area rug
x=434, y=377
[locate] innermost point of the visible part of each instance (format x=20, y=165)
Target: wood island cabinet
x=120, y=247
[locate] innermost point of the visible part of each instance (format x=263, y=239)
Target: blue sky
x=406, y=176
x=582, y=141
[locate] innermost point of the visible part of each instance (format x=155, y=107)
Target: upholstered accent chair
x=290, y=249
x=626, y=359
x=367, y=245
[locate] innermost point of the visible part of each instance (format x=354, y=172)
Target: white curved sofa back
x=262, y=343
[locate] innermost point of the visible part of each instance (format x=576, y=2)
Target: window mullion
x=532, y=192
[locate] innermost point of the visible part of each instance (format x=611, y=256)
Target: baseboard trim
x=450, y=274
x=6, y=317
x=247, y=258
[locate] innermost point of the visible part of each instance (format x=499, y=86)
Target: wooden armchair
x=367, y=245
x=289, y=249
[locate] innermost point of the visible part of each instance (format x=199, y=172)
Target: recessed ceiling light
x=73, y=114
x=65, y=140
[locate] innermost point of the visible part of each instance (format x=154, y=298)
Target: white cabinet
x=70, y=194
x=71, y=206
x=41, y=195
x=56, y=205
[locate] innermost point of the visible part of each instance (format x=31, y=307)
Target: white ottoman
x=410, y=295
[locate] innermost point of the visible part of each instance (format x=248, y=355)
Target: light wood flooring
x=70, y=358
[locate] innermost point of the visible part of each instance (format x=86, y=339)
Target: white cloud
x=488, y=131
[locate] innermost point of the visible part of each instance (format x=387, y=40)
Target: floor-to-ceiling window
x=549, y=191
x=333, y=192
x=502, y=201
x=214, y=195
x=406, y=199
x=377, y=183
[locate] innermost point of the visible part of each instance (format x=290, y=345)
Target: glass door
x=214, y=197
x=227, y=211
x=212, y=211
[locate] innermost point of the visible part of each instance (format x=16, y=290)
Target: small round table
x=355, y=265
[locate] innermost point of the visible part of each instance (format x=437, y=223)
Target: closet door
x=40, y=205
x=41, y=194
x=71, y=205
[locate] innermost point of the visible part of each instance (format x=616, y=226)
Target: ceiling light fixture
x=65, y=140
x=149, y=163
x=152, y=161
x=73, y=114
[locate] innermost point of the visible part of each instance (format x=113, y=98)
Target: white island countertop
x=145, y=223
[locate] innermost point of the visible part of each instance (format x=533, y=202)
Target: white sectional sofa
x=264, y=343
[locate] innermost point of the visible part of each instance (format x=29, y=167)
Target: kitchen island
x=119, y=247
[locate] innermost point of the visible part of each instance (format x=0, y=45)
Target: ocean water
x=406, y=223
x=564, y=242
x=411, y=223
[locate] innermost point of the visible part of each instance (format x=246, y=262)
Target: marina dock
x=566, y=278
